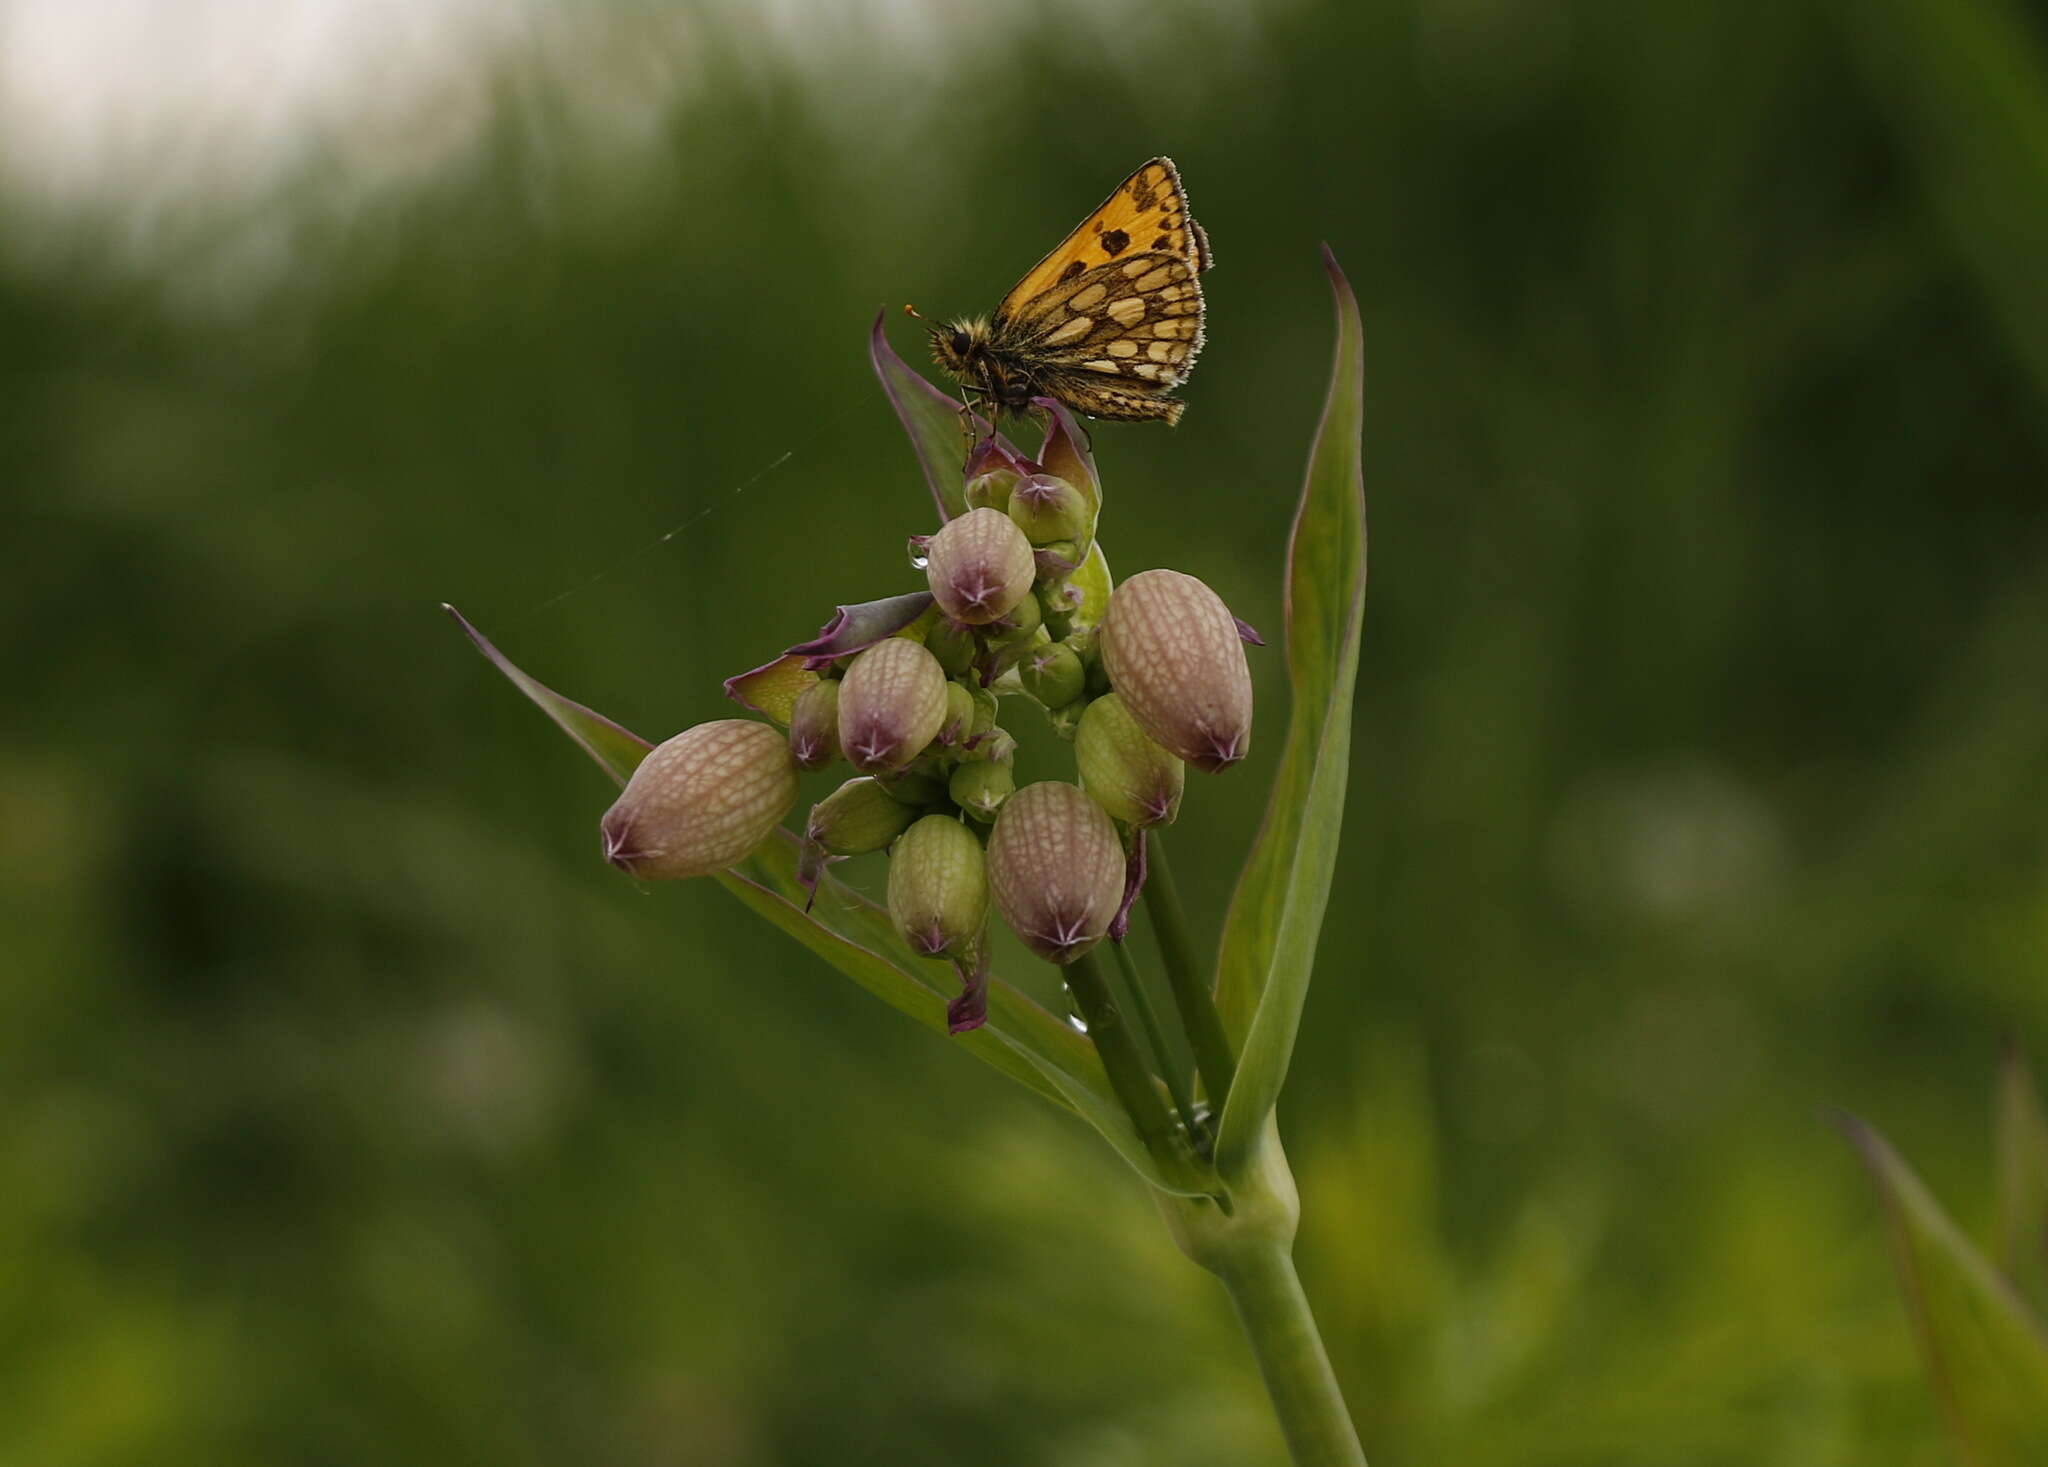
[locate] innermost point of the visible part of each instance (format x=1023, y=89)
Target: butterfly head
x=957, y=344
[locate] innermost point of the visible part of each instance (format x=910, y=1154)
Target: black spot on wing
x=1115, y=241
x=1074, y=267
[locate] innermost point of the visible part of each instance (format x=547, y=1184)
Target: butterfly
x=1109, y=323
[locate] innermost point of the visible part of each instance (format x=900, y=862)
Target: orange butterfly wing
x=1148, y=214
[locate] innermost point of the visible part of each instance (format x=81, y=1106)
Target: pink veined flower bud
x=1135, y=779
x=814, y=725
x=1056, y=869
x=1173, y=655
x=892, y=702
x=938, y=886
x=702, y=801
x=980, y=566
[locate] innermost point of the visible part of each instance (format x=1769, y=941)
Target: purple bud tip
x=869, y=749
x=1246, y=632
x=980, y=594
x=1063, y=939
x=930, y=941
x=615, y=852
x=1220, y=753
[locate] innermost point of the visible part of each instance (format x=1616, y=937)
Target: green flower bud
x=1052, y=674
x=1066, y=722
x=918, y=788
x=1058, y=593
x=702, y=801
x=858, y=817
x=959, y=714
x=1128, y=774
x=1048, y=509
x=891, y=703
x=1019, y=627
x=1173, y=654
x=814, y=725
x=981, y=787
x=992, y=490
x=1056, y=869
x=986, y=707
x=980, y=566
x=997, y=746
x=938, y=886
x=953, y=645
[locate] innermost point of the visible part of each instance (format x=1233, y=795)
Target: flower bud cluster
x=1144, y=680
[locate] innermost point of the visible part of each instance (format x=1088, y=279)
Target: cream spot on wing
x=1102, y=365
x=1073, y=330
x=1169, y=292
x=1137, y=267
x=1146, y=370
x=1173, y=327
x=1123, y=348
x=1154, y=280
x=1127, y=311
x=1163, y=351
x=1089, y=299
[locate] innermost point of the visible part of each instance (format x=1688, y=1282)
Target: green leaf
x=937, y=423
x=1269, y=937
x=1965, y=85
x=1066, y=454
x=1985, y=1354
x=2021, y=1246
x=772, y=688
x=1020, y=1038
x=1095, y=583
x=616, y=750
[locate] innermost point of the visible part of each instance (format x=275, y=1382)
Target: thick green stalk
x=1128, y=1076
x=1249, y=1246
x=1155, y=1039
x=1276, y=1319
x=1188, y=978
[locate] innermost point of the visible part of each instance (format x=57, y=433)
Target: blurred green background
x=354, y=1112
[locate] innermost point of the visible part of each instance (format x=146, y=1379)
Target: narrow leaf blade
x=933, y=420
x=1276, y=914
x=1985, y=1354
x=618, y=751
x=1020, y=1038
x=2021, y=1248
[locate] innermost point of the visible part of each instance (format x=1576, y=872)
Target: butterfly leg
x=967, y=427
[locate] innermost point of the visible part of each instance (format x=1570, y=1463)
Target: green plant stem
x=1275, y=1314
x=1187, y=978
x=1155, y=1038
x=1128, y=1076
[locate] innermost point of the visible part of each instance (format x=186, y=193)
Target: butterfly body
x=1109, y=323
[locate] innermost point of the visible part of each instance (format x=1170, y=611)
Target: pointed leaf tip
x=617, y=750
x=1276, y=913
x=936, y=422
x=1985, y=1352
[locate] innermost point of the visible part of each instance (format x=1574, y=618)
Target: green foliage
x=1986, y=1350
x=1269, y=945
x=354, y=1112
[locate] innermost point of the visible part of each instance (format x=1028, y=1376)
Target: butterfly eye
x=961, y=343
